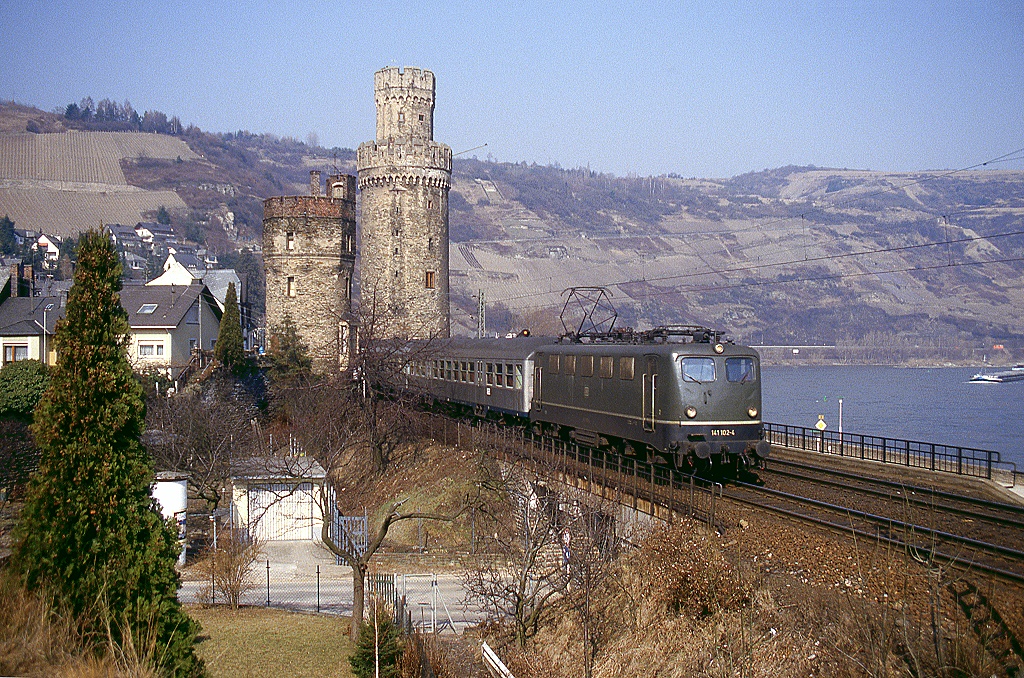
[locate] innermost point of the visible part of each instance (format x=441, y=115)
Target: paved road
x=294, y=584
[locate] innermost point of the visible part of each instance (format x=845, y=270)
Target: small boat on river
x=1015, y=373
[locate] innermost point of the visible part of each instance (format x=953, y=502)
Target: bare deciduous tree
x=528, y=568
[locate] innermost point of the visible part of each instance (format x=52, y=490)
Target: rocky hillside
x=927, y=261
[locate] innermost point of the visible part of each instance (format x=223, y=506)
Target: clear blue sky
x=696, y=88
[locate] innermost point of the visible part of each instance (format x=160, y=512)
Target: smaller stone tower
x=309, y=252
x=404, y=177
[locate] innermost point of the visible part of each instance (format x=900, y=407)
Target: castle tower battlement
x=404, y=177
x=309, y=252
x=405, y=103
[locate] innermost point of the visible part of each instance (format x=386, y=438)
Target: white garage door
x=281, y=511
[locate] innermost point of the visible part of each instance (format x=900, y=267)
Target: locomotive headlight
x=691, y=411
x=752, y=412
x=719, y=348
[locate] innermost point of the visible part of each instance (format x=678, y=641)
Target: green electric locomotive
x=677, y=395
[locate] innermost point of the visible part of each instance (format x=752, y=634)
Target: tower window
x=289, y=240
x=401, y=117
x=430, y=204
x=421, y=117
x=430, y=244
x=429, y=280
x=396, y=251
x=291, y=286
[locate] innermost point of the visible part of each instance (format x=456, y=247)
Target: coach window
x=739, y=369
x=699, y=370
x=509, y=381
x=519, y=378
x=626, y=367
x=569, y=364
x=606, y=367
x=472, y=371
x=553, y=363
x=587, y=365
x=490, y=374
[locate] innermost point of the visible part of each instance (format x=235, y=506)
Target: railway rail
x=929, y=498
x=657, y=486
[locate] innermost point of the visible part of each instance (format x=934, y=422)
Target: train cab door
x=538, y=386
x=650, y=392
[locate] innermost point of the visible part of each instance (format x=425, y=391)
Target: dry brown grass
x=34, y=641
x=682, y=606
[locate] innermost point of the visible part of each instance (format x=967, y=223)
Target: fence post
x=691, y=495
x=318, y=589
x=268, y=583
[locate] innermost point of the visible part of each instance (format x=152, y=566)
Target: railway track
x=924, y=543
x=982, y=520
x=841, y=502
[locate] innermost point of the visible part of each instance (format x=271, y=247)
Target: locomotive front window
x=587, y=365
x=740, y=369
x=699, y=370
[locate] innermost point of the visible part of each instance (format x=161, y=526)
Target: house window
x=150, y=350
x=606, y=366
x=429, y=280
x=15, y=352
x=289, y=240
x=147, y=309
x=291, y=286
x=192, y=315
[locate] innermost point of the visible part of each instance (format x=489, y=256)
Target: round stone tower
x=404, y=177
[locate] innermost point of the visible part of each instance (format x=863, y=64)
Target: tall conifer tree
x=89, y=533
x=229, y=349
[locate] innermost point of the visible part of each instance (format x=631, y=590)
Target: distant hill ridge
x=788, y=255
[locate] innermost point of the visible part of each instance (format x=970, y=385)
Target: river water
x=936, y=405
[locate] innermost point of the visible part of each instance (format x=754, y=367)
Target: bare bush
x=229, y=566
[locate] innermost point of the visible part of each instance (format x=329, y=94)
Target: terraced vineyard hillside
x=61, y=183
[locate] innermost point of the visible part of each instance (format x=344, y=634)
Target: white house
x=168, y=323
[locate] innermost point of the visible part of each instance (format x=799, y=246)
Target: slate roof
x=172, y=303
x=217, y=281
x=23, y=316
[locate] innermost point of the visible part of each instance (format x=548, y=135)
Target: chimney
x=314, y=183
x=15, y=279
